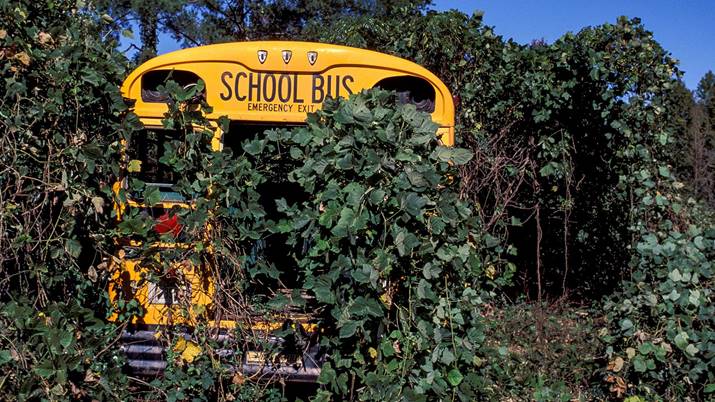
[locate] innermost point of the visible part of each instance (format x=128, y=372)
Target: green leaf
x=675, y=275
x=377, y=197
x=447, y=357
x=699, y=242
x=664, y=171
x=694, y=297
x=626, y=325
x=327, y=374
x=152, y=195
x=454, y=377
x=348, y=329
x=461, y=156
x=691, y=349
x=278, y=302
x=387, y=349
x=416, y=178
x=400, y=243
x=5, y=356
x=424, y=290
x=322, y=288
x=502, y=350
x=363, y=306
x=681, y=340
x=254, y=147
x=443, y=153
x=45, y=369
x=458, y=156
x=663, y=138
x=66, y=339
x=73, y=247
x=413, y=204
x=134, y=166
x=347, y=217
x=361, y=112
x=639, y=364
x=548, y=169
x=296, y=153
x=91, y=77
x=430, y=271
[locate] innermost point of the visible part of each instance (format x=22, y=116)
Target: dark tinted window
x=152, y=80
x=148, y=146
x=412, y=90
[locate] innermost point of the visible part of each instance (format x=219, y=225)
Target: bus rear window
x=152, y=82
x=148, y=147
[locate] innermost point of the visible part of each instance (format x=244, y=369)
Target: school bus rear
x=257, y=85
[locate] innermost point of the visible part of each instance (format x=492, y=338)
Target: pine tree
x=705, y=94
x=702, y=136
x=212, y=21
x=680, y=107
x=148, y=16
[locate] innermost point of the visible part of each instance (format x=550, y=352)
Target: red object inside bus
x=167, y=223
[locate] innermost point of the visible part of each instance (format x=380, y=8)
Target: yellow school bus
x=257, y=85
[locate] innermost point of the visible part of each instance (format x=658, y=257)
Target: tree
x=60, y=111
x=146, y=15
x=705, y=94
x=680, y=103
x=212, y=21
x=702, y=139
x=202, y=22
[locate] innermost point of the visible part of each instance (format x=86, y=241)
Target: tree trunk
x=148, y=21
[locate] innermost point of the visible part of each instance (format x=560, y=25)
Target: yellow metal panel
x=240, y=87
x=130, y=282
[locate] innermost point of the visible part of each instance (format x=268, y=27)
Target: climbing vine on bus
x=394, y=260
x=392, y=257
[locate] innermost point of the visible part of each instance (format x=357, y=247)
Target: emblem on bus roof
x=286, y=56
x=262, y=55
x=312, y=57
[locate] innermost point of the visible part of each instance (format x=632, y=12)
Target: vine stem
x=539, y=234
x=451, y=328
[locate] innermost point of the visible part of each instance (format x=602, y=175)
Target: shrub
x=390, y=253
x=59, y=116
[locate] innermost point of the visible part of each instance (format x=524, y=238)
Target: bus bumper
x=147, y=355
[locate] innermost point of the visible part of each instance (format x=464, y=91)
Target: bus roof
x=225, y=69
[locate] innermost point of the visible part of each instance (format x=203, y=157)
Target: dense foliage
x=581, y=174
x=385, y=218
x=59, y=111
x=580, y=135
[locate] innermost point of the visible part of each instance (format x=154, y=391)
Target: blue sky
x=686, y=28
